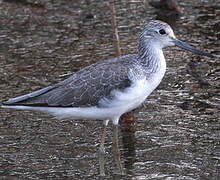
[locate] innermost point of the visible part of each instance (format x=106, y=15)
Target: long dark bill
x=186, y=46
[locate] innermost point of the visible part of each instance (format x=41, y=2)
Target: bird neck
x=150, y=55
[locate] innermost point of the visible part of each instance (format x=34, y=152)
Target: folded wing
x=85, y=88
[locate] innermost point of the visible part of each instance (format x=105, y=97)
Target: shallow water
x=177, y=132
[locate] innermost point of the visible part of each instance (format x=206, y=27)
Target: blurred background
x=176, y=135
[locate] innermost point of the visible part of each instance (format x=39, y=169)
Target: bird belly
x=128, y=99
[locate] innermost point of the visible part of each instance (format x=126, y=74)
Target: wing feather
x=85, y=88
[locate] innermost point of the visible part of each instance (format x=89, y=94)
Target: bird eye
x=162, y=31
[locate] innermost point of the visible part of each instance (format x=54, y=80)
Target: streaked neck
x=150, y=55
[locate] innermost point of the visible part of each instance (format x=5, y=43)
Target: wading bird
x=108, y=89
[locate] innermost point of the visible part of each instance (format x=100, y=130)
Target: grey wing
x=85, y=88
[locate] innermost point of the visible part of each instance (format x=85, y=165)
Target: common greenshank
x=107, y=89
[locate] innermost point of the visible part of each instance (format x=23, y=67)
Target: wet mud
x=176, y=134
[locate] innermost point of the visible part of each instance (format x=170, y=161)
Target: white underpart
x=123, y=101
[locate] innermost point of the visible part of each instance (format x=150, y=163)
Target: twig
x=115, y=29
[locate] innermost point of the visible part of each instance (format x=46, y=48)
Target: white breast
x=135, y=95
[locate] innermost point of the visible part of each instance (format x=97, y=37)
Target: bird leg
x=102, y=151
x=116, y=151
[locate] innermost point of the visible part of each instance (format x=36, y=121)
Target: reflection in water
x=170, y=7
x=128, y=142
x=170, y=19
x=127, y=126
x=177, y=132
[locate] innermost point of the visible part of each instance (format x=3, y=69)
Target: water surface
x=177, y=132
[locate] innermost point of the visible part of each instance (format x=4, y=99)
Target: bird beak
x=186, y=46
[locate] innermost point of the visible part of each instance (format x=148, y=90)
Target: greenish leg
x=116, y=151
x=102, y=150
